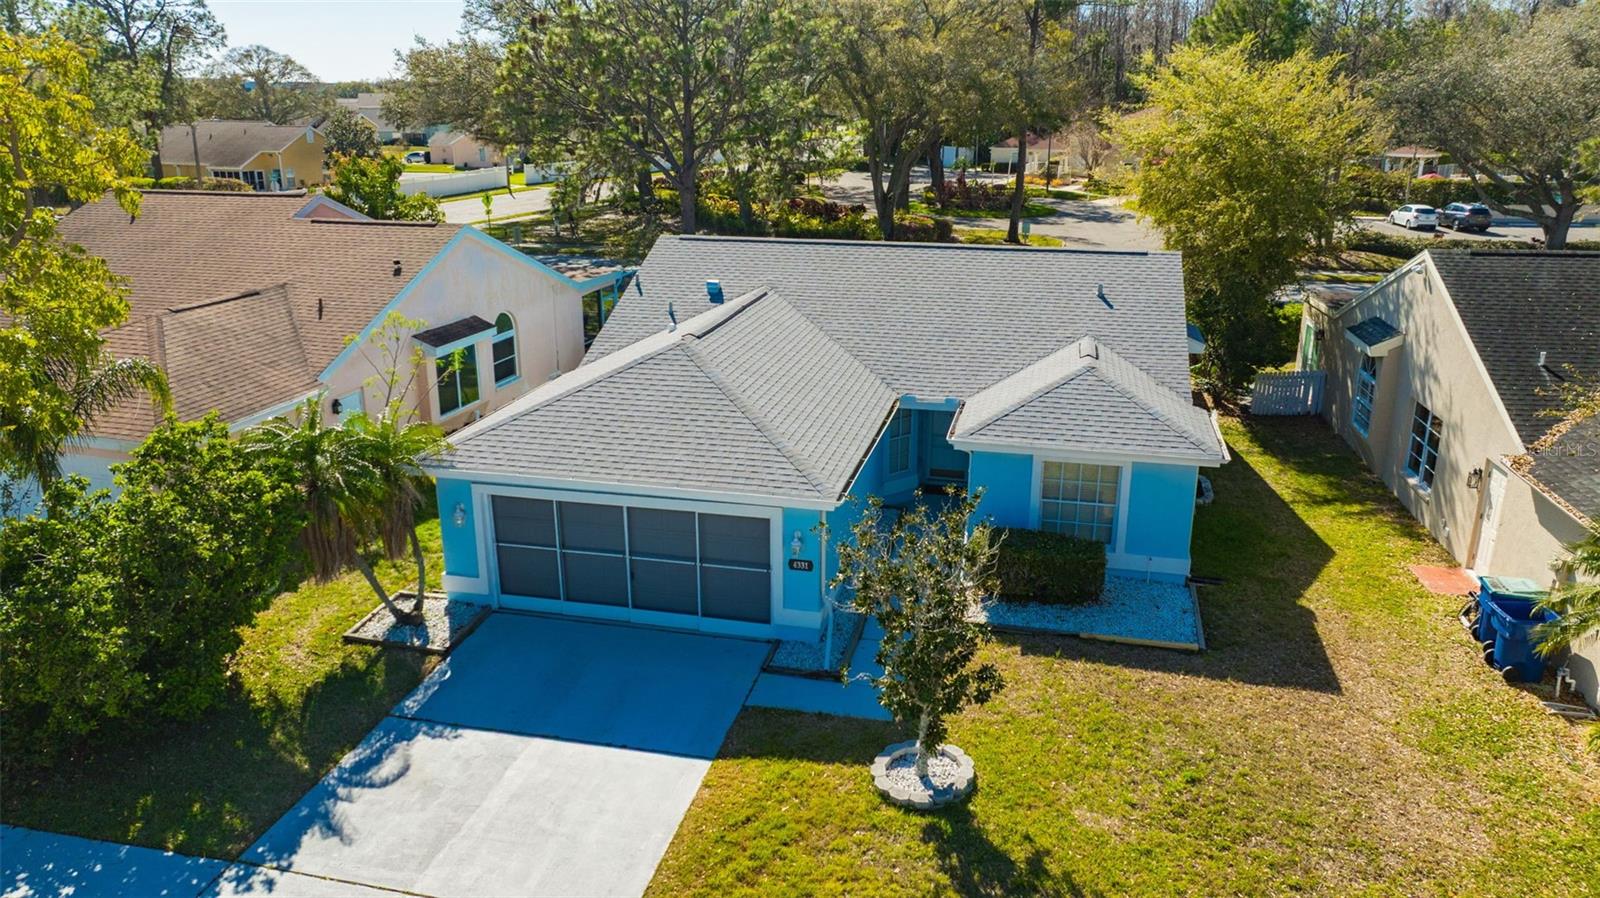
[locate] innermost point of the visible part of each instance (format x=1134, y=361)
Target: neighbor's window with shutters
x=458, y=380
x=505, y=350
x=1366, y=389
x=1080, y=500
x=900, y=442
x=1423, y=455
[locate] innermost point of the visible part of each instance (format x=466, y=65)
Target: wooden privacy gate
x=1287, y=393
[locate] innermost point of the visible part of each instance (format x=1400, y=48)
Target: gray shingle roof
x=933, y=320
x=445, y=334
x=1570, y=467
x=1517, y=304
x=783, y=391
x=746, y=398
x=225, y=144
x=1087, y=397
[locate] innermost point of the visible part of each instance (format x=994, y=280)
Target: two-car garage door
x=716, y=566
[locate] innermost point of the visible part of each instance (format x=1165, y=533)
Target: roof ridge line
x=800, y=463
x=1047, y=386
x=1159, y=414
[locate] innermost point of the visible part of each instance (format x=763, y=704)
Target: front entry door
x=942, y=464
x=1489, y=525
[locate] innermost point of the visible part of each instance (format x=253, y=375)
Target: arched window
x=505, y=350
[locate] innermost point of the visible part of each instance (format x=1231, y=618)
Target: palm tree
x=341, y=489
x=31, y=446
x=1577, y=603
x=392, y=449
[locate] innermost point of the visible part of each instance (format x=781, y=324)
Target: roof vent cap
x=714, y=291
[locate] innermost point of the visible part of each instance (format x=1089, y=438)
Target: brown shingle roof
x=226, y=144
x=241, y=302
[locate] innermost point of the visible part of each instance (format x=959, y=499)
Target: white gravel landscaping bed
x=809, y=656
x=444, y=624
x=1155, y=612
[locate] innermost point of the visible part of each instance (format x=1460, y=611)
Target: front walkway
x=543, y=757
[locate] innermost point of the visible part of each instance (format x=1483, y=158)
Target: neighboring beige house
x=268, y=157
x=368, y=107
x=1441, y=377
x=1419, y=161
x=254, y=302
x=456, y=148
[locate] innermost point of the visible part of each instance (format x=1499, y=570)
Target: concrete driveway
x=543, y=757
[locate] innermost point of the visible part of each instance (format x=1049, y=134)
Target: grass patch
x=1342, y=277
x=302, y=699
x=1029, y=210
x=1339, y=737
x=995, y=236
x=430, y=167
x=478, y=195
x=1350, y=260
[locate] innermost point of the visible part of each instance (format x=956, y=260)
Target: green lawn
x=433, y=167
x=478, y=196
x=302, y=700
x=1029, y=210
x=1339, y=737
x=998, y=235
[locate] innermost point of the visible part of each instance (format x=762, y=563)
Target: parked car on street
x=1465, y=217
x=1413, y=216
x=416, y=158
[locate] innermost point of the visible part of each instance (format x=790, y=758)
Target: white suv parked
x=1415, y=215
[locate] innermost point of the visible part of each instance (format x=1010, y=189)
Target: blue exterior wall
x=460, y=543
x=1007, y=482
x=802, y=590
x=1160, y=510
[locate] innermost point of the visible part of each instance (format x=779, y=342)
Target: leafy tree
x=165, y=40
x=1239, y=169
x=667, y=82
x=1577, y=603
x=371, y=186
x=393, y=448
x=111, y=608
x=450, y=83
x=1039, y=82
x=921, y=576
x=1514, y=103
x=55, y=300
x=895, y=68
x=1275, y=28
x=259, y=83
x=357, y=484
x=348, y=134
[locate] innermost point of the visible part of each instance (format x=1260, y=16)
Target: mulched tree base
x=445, y=623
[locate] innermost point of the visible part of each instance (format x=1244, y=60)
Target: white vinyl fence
x=455, y=183
x=1287, y=393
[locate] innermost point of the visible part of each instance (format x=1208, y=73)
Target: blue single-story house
x=745, y=391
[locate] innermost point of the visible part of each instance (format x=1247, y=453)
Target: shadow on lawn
x=212, y=786
x=976, y=866
x=1257, y=628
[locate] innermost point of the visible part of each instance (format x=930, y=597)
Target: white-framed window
x=1080, y=500
x=483, y=154
x=900, y=442
x=1422, y=457
x=505, y=350
x=458, y=379
x=256, y=179
x=1366, y=391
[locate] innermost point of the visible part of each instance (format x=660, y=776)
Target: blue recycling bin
x=1512, y=624
x=1517, y=595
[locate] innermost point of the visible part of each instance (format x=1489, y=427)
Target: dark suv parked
x=1465, y=217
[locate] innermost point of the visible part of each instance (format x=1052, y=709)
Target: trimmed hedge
x=1050, y=568
x=185, y=183
x=1398, y=247
x=1378, y=191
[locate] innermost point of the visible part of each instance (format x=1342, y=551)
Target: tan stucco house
x=268, y=157
x=456, y=148
x=255, y=302
x=1443, y=377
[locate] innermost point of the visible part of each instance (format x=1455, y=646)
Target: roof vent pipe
x=714, y=292
x=672, y=316
x=1541, y=358
x=396, y=267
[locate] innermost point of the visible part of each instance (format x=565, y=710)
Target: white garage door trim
x=483, y=496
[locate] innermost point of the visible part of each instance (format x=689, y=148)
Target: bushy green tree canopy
x=1239, y=168
x=371, y=186
x=55, y=299
x=348, y=134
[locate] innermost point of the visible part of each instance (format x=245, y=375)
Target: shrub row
x=808, y=217
x=978, y=196
x=1378, y=191
x=184, y=183
x=1398, y=247
x=1051, y=568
